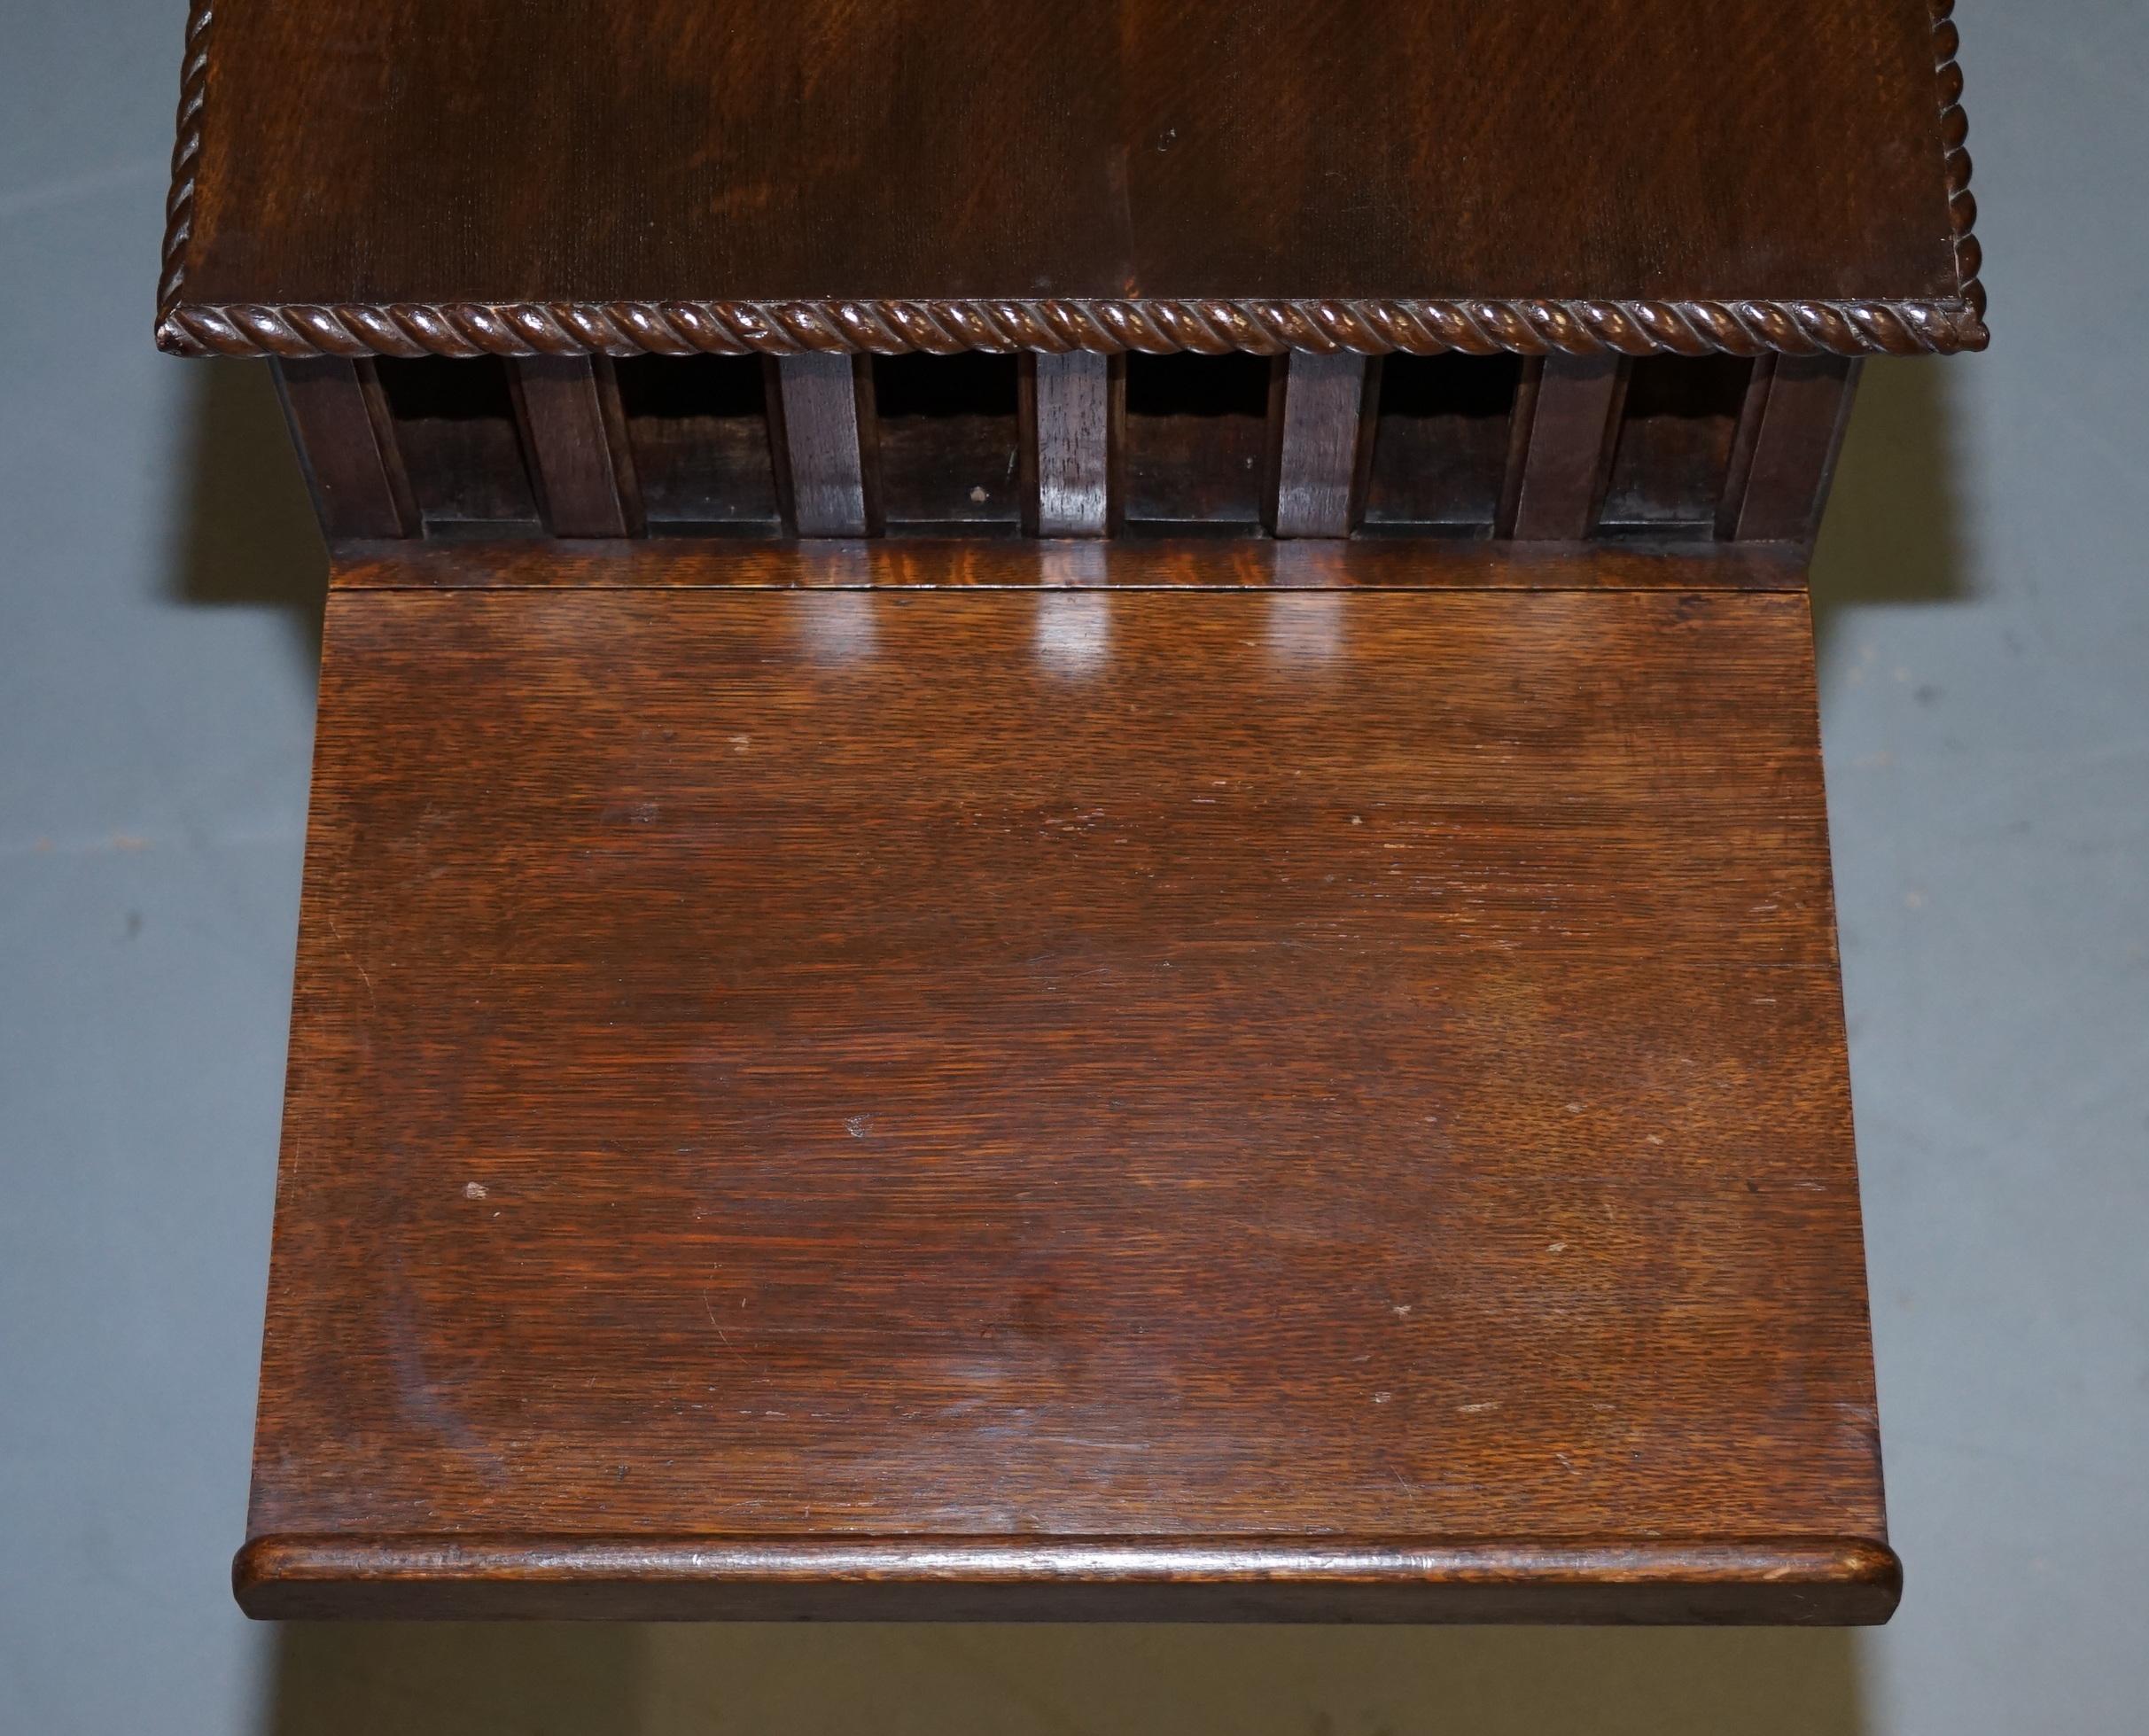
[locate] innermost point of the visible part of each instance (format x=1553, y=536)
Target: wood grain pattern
x=1068, y=1103
x=1802, y=422
x=1318, y=473
x=575, y=435
x=1073, y=407
x=1566, y=446
x=347, y=446
x=826, y=429
x=1744, y=436
x=612, y=176
x=1522, y=417
x=1788, y=1580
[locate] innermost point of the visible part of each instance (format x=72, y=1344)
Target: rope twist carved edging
x=1527, y=327
x=1207, y=327
x=1954, y=129
x=186, y=146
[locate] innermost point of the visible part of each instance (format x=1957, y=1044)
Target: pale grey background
x=1985, y=667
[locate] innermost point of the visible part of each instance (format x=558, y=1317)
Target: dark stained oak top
x=467, y=175
x=1133, y=1103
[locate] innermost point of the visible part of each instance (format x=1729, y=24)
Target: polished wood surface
x=1566, y=445
x=574, y=433
x=347, y=445
x=1067, y=1102
x=827, y=414
x=1802, y=421
x=1072, y=409
x=594, y=150
x=1319, y=481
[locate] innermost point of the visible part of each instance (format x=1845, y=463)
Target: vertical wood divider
x=829, y=443
x=1116, y=483
x=1324, y=424
x=1028, y=436
x=574, y=430
x=1519, y=418
x=1368, y=428
x=339, y=421
x=1800, y=431
x=1573, y=425
x=779, y=445
x=1071, y=400
x=1272, y=445
x=1744, y=438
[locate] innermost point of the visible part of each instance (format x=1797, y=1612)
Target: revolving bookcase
x=1067, y=854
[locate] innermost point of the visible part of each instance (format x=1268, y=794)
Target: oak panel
x=599, y=151
x=1068, y=1103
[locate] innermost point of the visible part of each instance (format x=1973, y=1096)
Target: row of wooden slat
x=1564, y=426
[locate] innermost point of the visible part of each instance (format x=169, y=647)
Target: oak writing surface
x=1108, y=1103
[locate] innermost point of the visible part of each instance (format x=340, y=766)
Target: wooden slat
x=1745, y=437
x=1324, y=399
x=346, y=444
x=575, y=435
x=1574, y=417
x=1800, y=429
x=825, y=429
x=1520, y=417
x=779, y=443
x=1073, y=394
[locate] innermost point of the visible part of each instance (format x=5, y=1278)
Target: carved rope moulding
x=1526, y=327
x=1210, y=328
